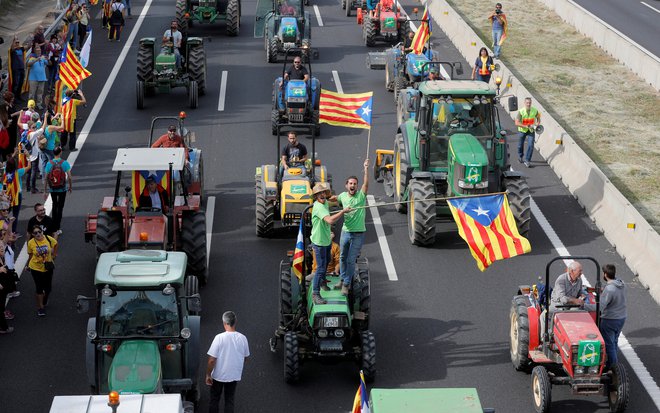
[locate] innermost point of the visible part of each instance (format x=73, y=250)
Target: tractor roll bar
x=293, y=127
x=547, y=289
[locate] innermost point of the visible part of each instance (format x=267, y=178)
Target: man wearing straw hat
x=321, y=236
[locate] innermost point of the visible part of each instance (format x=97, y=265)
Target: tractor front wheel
x=286, y=297
x=193, y=243
x=369, y=32
x=368, y=362
x=109, y=232
x=617, y=395
x=542, y=389
x=271, y=50
x=362, y=293
x=400, y=173
x=519, y=334
x=197, y=68
x=317, y=124
x=193, y=94
x=233, y=18
x=265, y=213
x=139, y=94
x=421, y=213
x=519, y=200
x=399, y=85
x=291, y=358
x=274, y=121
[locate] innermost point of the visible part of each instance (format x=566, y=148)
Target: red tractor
x=563, y=347
x=177, y=224
x=384, y=23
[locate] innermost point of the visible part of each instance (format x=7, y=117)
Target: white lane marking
x=443, y=71
x=318, y=15
x=210, y=212
x=335, y=76
x=382, y=240
x=650, y=7
x=626, y=349
x=22, y=259
x=223, y=91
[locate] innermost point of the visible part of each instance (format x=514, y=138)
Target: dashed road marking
x=650, y=7
x=223, y=91
x=210, y=212
x=318, y=15
x=335, y=76
x=382, y=240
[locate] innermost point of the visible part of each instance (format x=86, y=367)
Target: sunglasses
x=37, y=232
x=4, y=210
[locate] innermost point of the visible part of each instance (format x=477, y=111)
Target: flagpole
x=444, y=198
x=368, y=141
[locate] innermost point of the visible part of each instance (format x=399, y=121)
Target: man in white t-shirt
x=227, y=355
x=173, y=36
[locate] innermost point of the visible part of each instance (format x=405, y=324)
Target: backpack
x=56, y=176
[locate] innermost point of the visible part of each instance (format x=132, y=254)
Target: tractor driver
x=172, y=38
x=293, y=151
x=408, y=42
x=434, y=74
x=568, y=287
x=296, y=71
x=171, y=140
x=154, y=196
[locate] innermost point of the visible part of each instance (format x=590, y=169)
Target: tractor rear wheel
x=197, y=68
x=519, y=200
x=399, y=85
x=274, y=121
x=362, y=293
x=193, y=243
x=139, y=94
x=271, y=50
x=369, y=32
x=145, y=63
x=192, y=287
x=109, y=232
x=617, y=395
x=291, y=358
x=400, y=173
x=541, y=389
x=193, y=94
x=181, y=19
x=421, y=213
x=233, y=18
x=286, y=297
x=519, y=334
x=368, y=362
x=265, y=213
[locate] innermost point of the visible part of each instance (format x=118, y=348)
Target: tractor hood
x=296, y=89
x=164, y=61
x=415, y=62
x=288, y=29
x=578, y=329
x=136, y=369
x=466, y=150
x=337, y=306
x=388, y=22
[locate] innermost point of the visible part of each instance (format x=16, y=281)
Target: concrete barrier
x=618, y=45
x=623, y=226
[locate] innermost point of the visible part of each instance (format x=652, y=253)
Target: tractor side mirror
x=459, y=68
x=513, y=103
x=194, y=303
x=82, y=304
x=127, y=189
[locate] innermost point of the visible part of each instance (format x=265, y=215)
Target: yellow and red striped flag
x=162, y=178
x=423, y=33
x=349, y=110
x=361, y=400
x=71, y=71
x=299, y=255
x=487, y=225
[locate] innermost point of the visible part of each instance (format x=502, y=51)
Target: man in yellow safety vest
x=528, y=117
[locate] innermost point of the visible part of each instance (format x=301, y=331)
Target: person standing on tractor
x=408, y=42
x=482, y=66
x=321, y=238
x=528, y=117
x=354, y=228
x=499, y=26
x=171, y=140
x=172, y=39
x=293, y=151
x=612, y=312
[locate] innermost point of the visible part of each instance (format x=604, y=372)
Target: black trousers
x=216, y=393
x=58, y=207
x=69, y=137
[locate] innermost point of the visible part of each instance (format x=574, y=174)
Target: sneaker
x=310, y=277
x=7, y=331
x=527, y=164
x=9, y=315
x=324, y=286
x=41, y=312
x=520, y=159
x=14, y=294
x=317, y=299
x=344, y=290
x=338, y=285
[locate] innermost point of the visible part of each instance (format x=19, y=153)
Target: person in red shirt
x=171, y=140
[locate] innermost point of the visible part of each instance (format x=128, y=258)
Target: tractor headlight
x=594, y=369
x=91, y=334
x=323, y=333
x=482, y=184
x=463, y=184
x=579, y=369
x=339, y=333
x=186, y=333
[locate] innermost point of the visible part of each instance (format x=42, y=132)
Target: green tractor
x=145, y=336
x=189, y=12
x=335, y=331
x=158, y=72
x=450, y=143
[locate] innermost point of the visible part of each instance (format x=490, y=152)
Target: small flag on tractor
x=299, y=254
x=349, y=110
x=486, y=223
x=423, y=33
x=361, y=401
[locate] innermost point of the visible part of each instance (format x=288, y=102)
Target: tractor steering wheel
x=149, y=209
x=569, y=306
x=458, y=123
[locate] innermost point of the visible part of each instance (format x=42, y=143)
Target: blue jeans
x=523, y=136
x=31, y=175
x=611, y=329
x=497, y=35
x=322, y=255
x=72, y=35
x=45, y=156
x=350, y=245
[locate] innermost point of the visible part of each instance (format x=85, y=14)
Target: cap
x=171, y=128
x=31, y=103
x=320, y=187
x=433, y=70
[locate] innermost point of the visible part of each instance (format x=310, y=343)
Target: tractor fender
x=413, y=161
x=278, y=93
x=423, y=175
x=533, y=316
x=267, y=174
x=316, y=89
x=147, y=41
x=194, y=41
x=320, y=174
x=90, y=355
x=513, y=174
x=192, y=349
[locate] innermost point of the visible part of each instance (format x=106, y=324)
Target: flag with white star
x=343, y=109
x=140, y=178
x=487, y=224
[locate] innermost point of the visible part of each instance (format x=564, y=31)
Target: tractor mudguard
x=513, y=174
x=192, y=348
x=320, y=174
x=147, y=41
x=268, y=176
x=194, y=41
x=423, y=175
x=409, y=141
x=534, y=316
x=278, y=92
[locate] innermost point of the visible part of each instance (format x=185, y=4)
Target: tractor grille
x=459, y=175
x=207, y=3
x=330, y=345
x=296, y=117
x=296, y=207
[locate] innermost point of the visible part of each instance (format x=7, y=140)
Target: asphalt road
x=639, y=20
x=442, y=324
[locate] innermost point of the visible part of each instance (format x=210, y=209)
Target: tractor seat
x=294, y=173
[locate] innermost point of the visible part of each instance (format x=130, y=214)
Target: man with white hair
x=568, y=287
x=227, y=356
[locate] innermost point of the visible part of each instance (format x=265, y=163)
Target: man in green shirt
x=321, y=236
x=353, y=230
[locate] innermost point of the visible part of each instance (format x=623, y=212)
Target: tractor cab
x=285, y=25
x=144, y=337
x=296, y=101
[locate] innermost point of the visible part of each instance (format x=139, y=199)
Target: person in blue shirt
x=58, y=181
x=37, y=76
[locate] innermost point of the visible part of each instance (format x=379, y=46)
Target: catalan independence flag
x=423, y=33
x=361, y=401
x=299, y=254
x=140, y=182
x=71, y=71
x=487, y=225
x=349, y=110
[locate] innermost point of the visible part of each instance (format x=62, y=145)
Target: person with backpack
x=30, y=143
x=47, y=144
x=57, y=182
x=116, y=20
